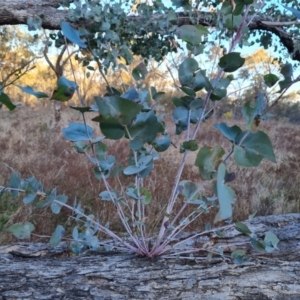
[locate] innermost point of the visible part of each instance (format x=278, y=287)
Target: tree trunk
x=34, y=271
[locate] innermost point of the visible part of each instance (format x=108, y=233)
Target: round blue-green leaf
x=72, y=34
x=136, y=144
x=200, y=81
x=29, y=90
x=56, y=207
x=188, y=91
x=231, y=62
x=271, y=241
x=186, y=71
x=162, y=144
x=250, y=150
x=229, y=132
x=145, y=127
x=190, y=34
x=110, y=127
x=29, y=198
x=180, y=118
x=21, y=231
x=57, y=235
x=121, y=109
x=226, y=196
x=131, y=94
x=207, y=161
x=78, y=132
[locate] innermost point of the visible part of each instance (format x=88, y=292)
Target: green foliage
x=72, y=34
x=65, y=90
x=251, y=148
x=231, y=62
x=112, y=39
x=4, y=99
x=21, y=231
x=225, y=194
x=78, y=132
x=207, y=161
x=29, y=90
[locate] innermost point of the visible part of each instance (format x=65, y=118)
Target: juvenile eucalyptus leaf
x=57, y=235
x=110, y=127
x=226, y=196
x=121, y=109
x=200, y=81
x=186, y=71
x=145, y=127
x=250, y=150
x=4, y=99
x=146, y=196
x=21, y=231
x=207, y=161
x=72, y=34
x=162, y=144
x=188, y=189
x=158, y=96
x=270, y=80
x=29, y=198
x=231, y=62
x=142, y=164
x=271, y=241
x=180, y=118
x=107, y=196
x=56, y=207
x=220, y=89
x=229, y=132
x=252, y=111
x=241, y=227
x=65, y=90
x=144, y=95
x=190, y=34
x=131, y=94
x=29, y=90
x=78, y=132
x=188, y=91
x=14, y=182
x=136, y=144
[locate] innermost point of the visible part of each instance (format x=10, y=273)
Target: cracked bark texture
x=35, y=271
x=16, y=12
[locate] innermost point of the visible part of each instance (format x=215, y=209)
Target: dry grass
x=31, y=145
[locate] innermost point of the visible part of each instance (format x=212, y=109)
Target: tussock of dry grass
x=33, y=146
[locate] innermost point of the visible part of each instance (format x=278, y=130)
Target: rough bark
x=15, y=12
x=34, y=271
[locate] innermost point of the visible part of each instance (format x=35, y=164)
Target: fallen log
x=35, y=271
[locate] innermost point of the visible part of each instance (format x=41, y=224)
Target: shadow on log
x=35, y=271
